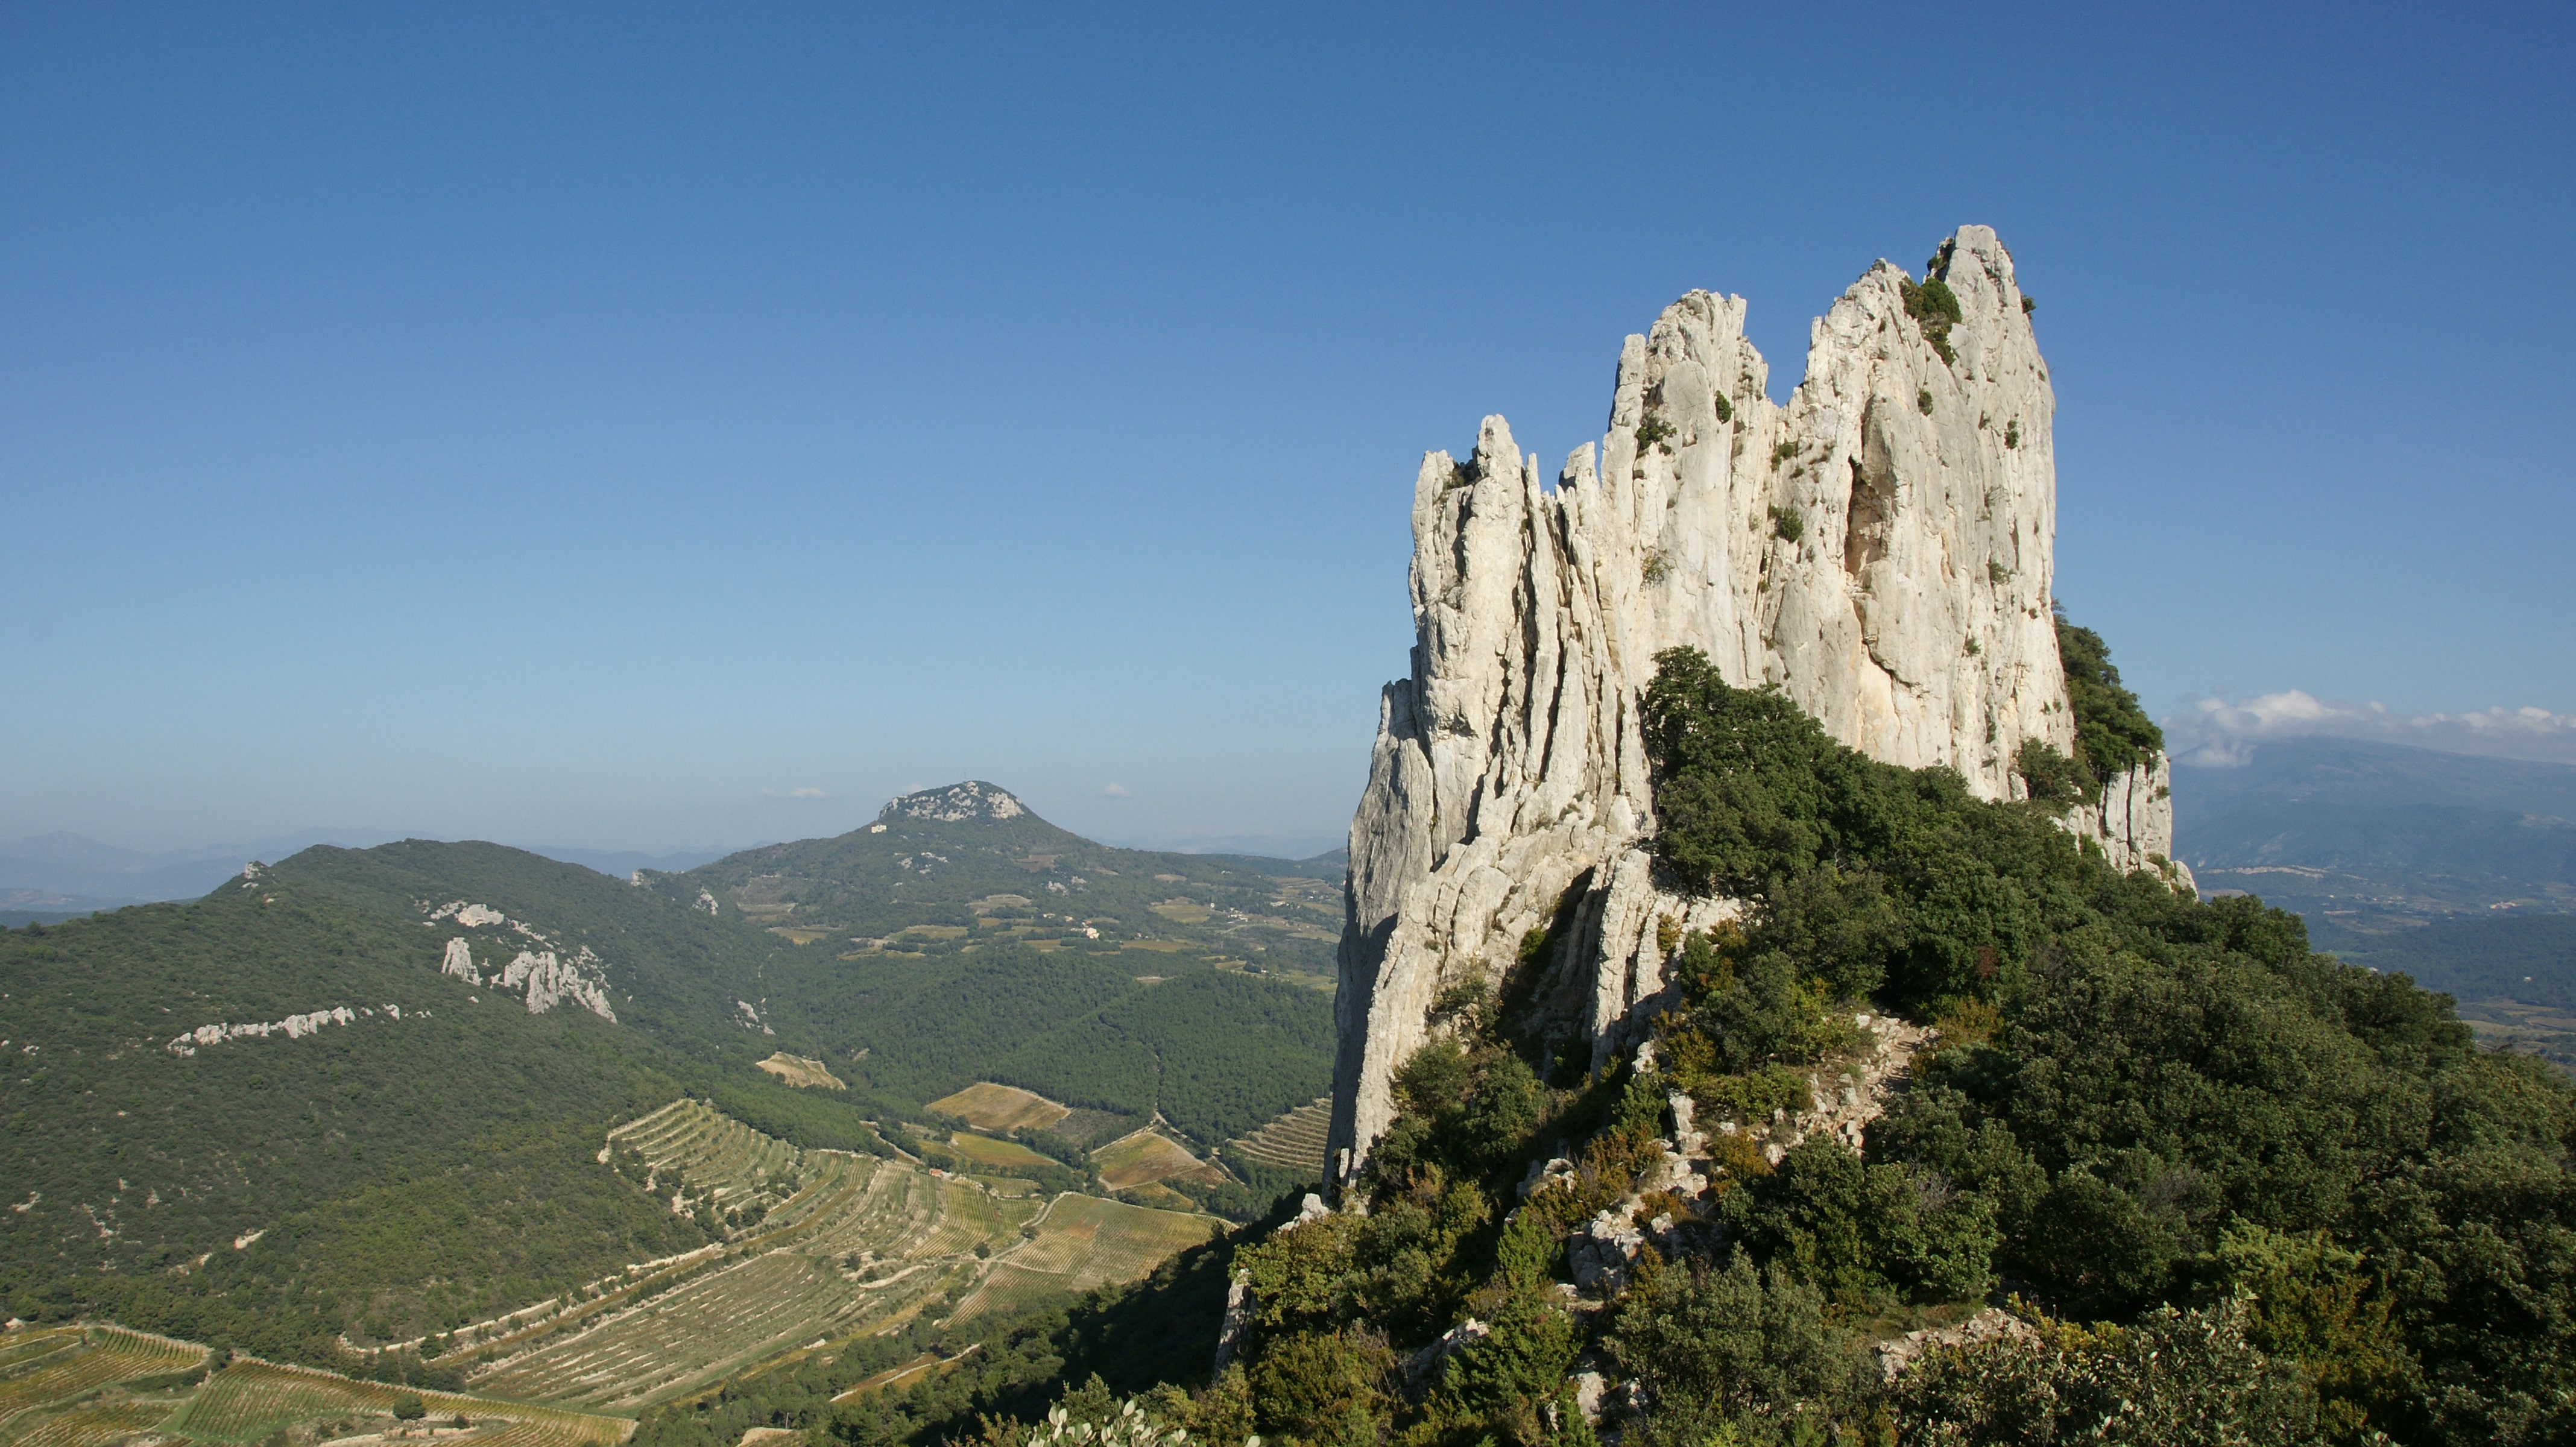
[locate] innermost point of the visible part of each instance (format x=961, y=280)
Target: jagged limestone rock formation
x=1880, y=548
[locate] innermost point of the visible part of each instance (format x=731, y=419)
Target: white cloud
x=807, y=792
x=2220, y=732
x=1114, y=791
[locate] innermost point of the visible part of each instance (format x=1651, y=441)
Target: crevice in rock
x=1871, y=513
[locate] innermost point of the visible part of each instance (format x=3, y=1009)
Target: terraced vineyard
x=708, y=1153
x=1294, y=1141
x=251, y=1399
x=855, y=1244
x=96, y=1424
x=42, y=1369
x=986, y=1151
x=98, y=1386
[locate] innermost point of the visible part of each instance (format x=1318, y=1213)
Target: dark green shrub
x=1324, y=1387
x=1727, y=1353
x=1935, y=309
x=1781, y=452
x=2176, y=1377
x=1725, y=409
x=1923, y=400
x=1787, y=525
x=2112, y=731
x=1995, y=572
x=1871, y=1235
x=2012, y=433
x=1654, y=430
x=2051, y=777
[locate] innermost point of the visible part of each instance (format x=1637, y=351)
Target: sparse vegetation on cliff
x=1935, y=309
x=2112, y=731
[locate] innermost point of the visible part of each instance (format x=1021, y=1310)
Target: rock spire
x=1880, y=548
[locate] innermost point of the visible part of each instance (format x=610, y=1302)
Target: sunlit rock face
x=1880, y=548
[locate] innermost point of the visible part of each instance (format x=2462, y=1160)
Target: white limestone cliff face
x=2133, y=821
x=551, y=981
x=1880, y=548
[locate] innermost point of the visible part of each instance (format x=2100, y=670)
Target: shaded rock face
x=1880, y=548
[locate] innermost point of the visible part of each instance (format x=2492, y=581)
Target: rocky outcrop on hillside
x=955, y=804
x=546, y=978
x=1880, y=548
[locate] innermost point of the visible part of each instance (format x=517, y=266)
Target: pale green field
x=986, y=1151
x=987, y=1106
x=1146, y=1157
x=99, y=1386
x=1083, y=1242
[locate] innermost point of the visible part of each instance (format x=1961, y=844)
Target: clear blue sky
x=602, y=425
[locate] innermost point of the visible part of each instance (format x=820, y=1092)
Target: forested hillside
x=1216, y=1052
x=2513, y=973
x=422, y=1160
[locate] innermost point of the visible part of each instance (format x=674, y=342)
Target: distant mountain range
x=53, y=876
x=2363, y=837
x=2457, y=870
x=48, y=877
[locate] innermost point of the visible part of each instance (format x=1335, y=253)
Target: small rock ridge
x=1848, y=1093
x=1881, y=548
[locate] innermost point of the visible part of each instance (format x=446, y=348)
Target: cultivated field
x=987, y=1106
x=865, y=1240
x=854, y=1245
x=1148, y=1156
x=986, y=1151
x=94, y=1424
x=43, y=1369
x=691, y=1144
x=100, y=1386
x=1294, y=1141
x=1088, y=1127
x=251, y=1399
x=1083, y=1242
